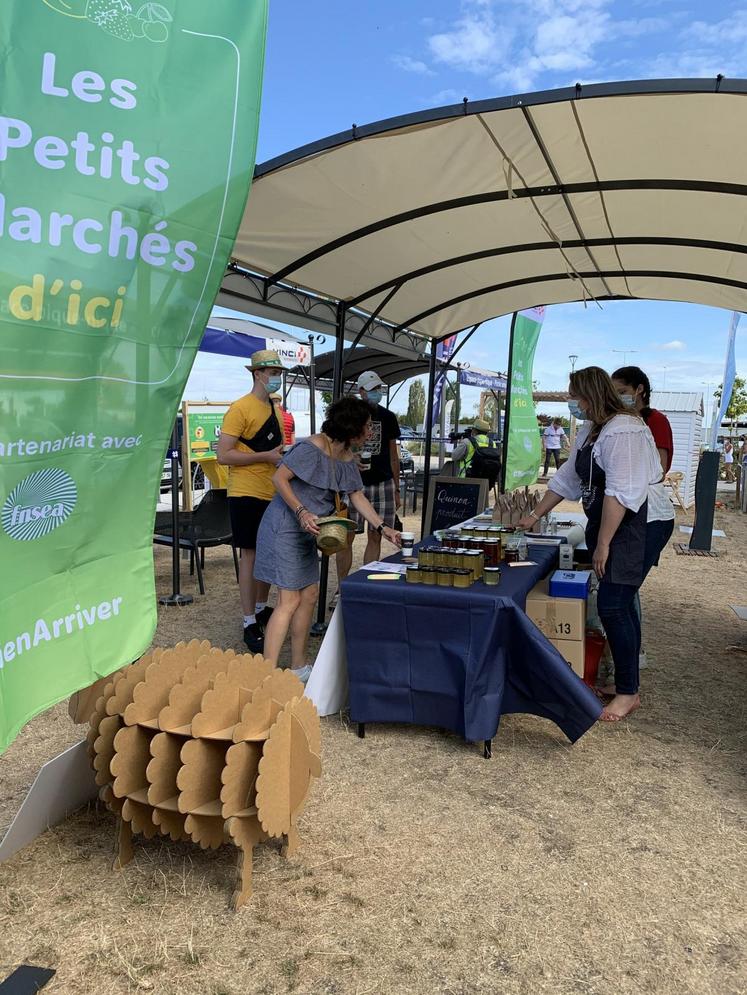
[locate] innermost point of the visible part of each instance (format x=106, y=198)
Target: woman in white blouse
x=612, y=463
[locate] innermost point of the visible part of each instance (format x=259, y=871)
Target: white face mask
x=628, y=400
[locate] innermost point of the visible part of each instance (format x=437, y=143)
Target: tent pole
x=176, y=597
x=320, y=626
x=312, y=386
x=507, y=416
x=337, y=375
x=428, y=435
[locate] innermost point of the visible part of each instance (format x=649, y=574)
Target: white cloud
x=730, y=31
x=444, y=97
x=555, y=42
x=409, y=65
x=674, y=346
x=476, y=42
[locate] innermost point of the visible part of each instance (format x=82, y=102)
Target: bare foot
x=621, y=706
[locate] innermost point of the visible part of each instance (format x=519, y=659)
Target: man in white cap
x=250, y=445
x=381, y=481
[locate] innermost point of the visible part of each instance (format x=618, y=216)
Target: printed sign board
x=452, y=500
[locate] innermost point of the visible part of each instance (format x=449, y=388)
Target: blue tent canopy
x=241, y=338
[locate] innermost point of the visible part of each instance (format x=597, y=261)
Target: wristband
x=300, y=510
x=380, y=528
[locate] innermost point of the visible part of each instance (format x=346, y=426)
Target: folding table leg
x=488, y=749
x=361, y=730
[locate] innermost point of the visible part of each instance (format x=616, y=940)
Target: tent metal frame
x=274, y=292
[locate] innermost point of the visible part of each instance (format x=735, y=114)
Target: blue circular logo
x=38, y=504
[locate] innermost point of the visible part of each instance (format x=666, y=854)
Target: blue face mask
x=274, y=384
x=627, y=399
x=576, y=412
x=374, y=396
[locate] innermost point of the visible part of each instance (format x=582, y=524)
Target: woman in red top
x=634, y=389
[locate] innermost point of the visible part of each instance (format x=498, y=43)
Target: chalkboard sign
x=452, y=500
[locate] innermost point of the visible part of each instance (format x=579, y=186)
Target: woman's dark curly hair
x=346, y=419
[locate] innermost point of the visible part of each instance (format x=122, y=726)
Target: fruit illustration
x=118, y=18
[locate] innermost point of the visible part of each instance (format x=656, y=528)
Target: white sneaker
x=303, y=674
x=642, y=662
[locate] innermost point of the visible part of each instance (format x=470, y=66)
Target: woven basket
x=333, y=534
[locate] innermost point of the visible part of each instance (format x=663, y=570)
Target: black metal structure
x=176, y=598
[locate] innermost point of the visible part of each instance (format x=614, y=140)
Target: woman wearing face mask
x=311, y=474
x=633, y=386
x=612, y=463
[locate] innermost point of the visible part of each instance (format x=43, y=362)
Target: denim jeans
x=658, y=535
x=616, y=607
x=555, y=453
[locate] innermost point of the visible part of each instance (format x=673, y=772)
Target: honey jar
x=462, y=578
x=444, y=577
x=427, y=575
x=413, y=574
x=492, y=576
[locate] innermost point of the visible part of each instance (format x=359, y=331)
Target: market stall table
x=457, y=658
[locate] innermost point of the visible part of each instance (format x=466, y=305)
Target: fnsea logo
x=39, y=504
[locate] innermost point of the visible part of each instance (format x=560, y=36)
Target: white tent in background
x=685, y=413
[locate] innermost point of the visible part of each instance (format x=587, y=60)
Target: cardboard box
x=574, y=652
x=557, y=618
x=570, y=583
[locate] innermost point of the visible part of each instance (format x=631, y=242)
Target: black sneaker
x=264, y=616
x=254, y=637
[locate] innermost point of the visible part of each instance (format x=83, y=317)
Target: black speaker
x=705, y=500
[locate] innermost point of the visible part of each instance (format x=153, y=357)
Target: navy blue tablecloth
x=458, y=658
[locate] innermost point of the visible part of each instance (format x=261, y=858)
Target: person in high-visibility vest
x=464, y=451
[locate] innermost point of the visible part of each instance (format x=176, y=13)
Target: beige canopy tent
x=442, y=219
x=431, y=223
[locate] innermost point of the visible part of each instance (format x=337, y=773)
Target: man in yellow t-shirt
x=250, y=445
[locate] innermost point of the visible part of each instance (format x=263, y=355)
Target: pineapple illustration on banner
x=119, y=18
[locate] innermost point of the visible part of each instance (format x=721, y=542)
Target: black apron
x=267, y=436
x=625, y=560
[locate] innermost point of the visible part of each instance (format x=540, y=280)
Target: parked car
x=406, y=462
x=166, y=475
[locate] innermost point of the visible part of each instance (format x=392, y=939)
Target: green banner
x=127, y=141
x=522, y=446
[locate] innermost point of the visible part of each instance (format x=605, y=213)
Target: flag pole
x=507, y=415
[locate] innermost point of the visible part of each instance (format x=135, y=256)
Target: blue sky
x=332, y=63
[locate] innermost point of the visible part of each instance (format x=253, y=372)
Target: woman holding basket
x=310, y=482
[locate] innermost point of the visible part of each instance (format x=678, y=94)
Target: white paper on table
x=382, y=567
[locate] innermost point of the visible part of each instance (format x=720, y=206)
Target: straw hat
x=264, y=359
x=333, y=533
x=480, y=425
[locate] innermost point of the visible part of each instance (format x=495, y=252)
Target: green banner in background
x=127, y=142
x=523, y=450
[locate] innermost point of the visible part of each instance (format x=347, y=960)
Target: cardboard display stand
x=198, y=743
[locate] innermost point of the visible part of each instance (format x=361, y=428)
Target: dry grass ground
x=613, y=867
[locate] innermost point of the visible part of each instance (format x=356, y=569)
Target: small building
x=685, y=413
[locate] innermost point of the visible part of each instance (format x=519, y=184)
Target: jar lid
x=473, y=552
x=444, y=570
x=492, y=570
x=412, y=568
x=461, y=571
